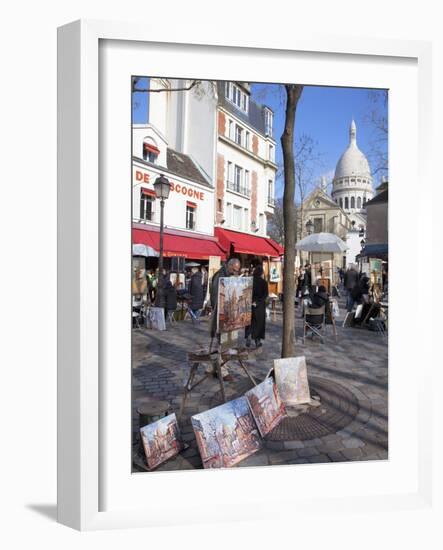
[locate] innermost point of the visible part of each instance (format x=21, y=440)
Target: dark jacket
x=258, y=320
x=170, y=297
x=322, y=299
x=196, y=291
x=351, y=278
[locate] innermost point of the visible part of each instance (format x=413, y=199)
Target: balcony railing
x=271, y=201
x=242, y=189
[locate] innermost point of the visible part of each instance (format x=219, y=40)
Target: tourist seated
x=321, y=298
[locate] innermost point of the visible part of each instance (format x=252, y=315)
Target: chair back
x=315, y=315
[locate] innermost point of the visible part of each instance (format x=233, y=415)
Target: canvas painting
x=161, y=440
x=226, y=434
x=291, y=377
x=234, y=303
x=266, y=406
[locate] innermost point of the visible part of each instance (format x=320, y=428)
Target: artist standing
x=257, y=327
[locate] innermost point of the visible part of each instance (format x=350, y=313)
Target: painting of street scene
x=234, y=303
x=266, y=406
x=161, y=440
x=291, y=377
x=226, y=434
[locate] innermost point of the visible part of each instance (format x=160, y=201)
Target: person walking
x=257, y=328
x=196, y=291
x=169, y=298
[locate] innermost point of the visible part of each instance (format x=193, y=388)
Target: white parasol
x=322, y=242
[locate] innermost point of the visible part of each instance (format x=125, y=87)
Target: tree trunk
x=293, y=93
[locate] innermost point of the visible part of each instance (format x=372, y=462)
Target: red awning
x=179, y=245
x=151, y=148
x=248, y=244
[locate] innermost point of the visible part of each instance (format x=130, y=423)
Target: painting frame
x=82, y=485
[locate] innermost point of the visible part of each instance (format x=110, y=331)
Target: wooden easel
x=217, y=358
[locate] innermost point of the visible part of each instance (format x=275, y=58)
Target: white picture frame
x=96, y=489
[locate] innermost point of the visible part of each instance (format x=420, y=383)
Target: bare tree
x=276, y=227
x=378, y=120
x=307, y=162
x=293, y=93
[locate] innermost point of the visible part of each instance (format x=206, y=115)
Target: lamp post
x=162, y=188
x=309, y=227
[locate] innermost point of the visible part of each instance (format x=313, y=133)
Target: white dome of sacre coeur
x=352, y=162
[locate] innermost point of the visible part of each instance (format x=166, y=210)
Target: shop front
x=253, y=250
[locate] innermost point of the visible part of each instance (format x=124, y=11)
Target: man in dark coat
x=196, y=291
x=351, y=280
x=257, y=327
x=170, y=298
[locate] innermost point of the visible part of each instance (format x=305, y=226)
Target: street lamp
x=309, y=227
x=161, y=188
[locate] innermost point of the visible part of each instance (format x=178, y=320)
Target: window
x=271, y=153
x=231, y=130
x=318, y=225
x=191, y=209
x=237, y=96
x=352, y=202
x=150, y=150
x=247, y=140
x=270, y=192
x=229, y=173
x=237, y=215
x=364, y=201
x=238, y=134
x=269, y=116
x=246, y=189
x=341, y=203
x=237, y=178
x=346, y=203
x=229, y=213
x=245, y=219
x=358, y=202
x=261, y=224
x=147, y=202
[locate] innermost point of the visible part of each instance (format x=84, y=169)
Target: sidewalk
x=350, y=378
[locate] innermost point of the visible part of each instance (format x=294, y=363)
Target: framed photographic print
x=154, y=199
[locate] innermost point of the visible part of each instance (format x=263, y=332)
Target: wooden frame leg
x=218, y=370
x=188, y=387
x=243, y=366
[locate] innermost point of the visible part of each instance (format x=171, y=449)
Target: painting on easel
x=161, y=440
x=226, y=434
x=266, y=406
x=234, y=303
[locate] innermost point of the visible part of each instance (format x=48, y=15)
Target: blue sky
x=323, y=113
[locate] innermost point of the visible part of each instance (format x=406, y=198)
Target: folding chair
x=314, y=321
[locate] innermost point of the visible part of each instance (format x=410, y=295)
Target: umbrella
x=322, y=242
x=144, y=250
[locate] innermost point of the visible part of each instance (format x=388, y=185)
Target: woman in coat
x=196, y=291
x=257, y=327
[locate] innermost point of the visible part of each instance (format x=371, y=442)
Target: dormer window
x=269, y=121
x=150, y=151
x=237, y=96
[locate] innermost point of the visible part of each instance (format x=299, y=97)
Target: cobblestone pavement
x=350, y=377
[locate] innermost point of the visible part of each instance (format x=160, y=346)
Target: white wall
x=175, y=205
